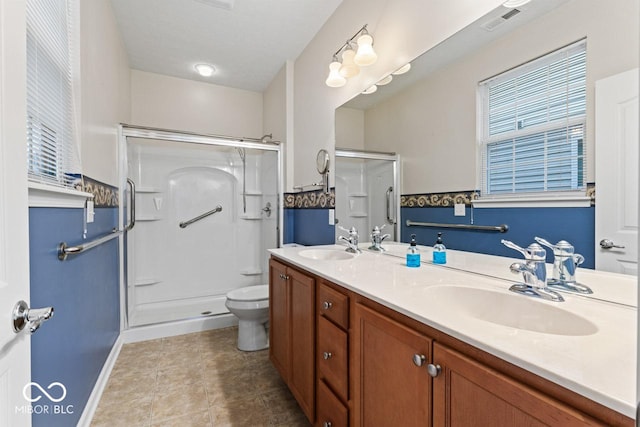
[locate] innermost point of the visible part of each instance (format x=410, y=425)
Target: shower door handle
x=390, y=218
x=132, y=205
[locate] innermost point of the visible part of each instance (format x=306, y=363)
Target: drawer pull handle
x=327, y=305
x=433, y=370
x=327, y=424
x=419, y=359
x=284, y=276
x=327, y=355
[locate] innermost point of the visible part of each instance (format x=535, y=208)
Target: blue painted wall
x=575, y=225
x=72, y=347
x=308, y=227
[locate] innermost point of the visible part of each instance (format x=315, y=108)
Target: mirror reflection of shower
x=205, y=215
x=367, y=192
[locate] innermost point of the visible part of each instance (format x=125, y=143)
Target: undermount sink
x=326, y=254
x=515, y=311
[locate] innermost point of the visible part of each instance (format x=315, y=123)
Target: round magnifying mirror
x=322, y=161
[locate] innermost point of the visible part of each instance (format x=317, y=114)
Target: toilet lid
x=250, y=293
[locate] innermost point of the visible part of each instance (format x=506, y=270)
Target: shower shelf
x=250, y=217
x=148, y=190
x=251, y=272
x=146, y=281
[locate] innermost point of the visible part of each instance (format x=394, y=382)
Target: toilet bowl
x=251, y=306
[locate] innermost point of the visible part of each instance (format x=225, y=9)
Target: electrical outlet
x=459, y=209
x=90, y=211
x=332, y=217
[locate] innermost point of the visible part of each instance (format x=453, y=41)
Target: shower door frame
x=131, y=131
x=375, y=155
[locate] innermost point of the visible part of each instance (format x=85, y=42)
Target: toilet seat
x=249, y=293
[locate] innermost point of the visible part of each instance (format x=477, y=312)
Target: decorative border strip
x=440, y=200
x=314, y=199
x=104, y=195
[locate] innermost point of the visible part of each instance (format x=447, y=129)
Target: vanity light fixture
x=205, y=70
x=351, y=60
x=406, y=67
x=515, y=3
x=335, y=79
x=385, y=80
x=371, y=89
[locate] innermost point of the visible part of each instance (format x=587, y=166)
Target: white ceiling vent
x=495, y=22
x=222, y=4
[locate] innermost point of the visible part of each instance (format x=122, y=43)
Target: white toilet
x=251, y=306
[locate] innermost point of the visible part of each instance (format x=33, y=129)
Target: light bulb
x=370, y=90
x=349, y=68
x=335, y=79
x=365, y=55
x=385, y=80
x=205, y=70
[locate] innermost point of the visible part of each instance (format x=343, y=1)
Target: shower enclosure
x=202, y=210
x=367, y=192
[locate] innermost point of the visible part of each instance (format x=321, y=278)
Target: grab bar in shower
x=64, y=251
x=132, y=205
x=199, y=217
x=502, y=228
x=390, y=218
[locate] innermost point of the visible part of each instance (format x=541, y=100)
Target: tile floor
x=197, y=379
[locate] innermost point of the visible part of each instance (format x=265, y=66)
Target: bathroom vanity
x=362, y=340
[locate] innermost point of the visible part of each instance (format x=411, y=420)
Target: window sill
x=540, y=201
x=49, y=196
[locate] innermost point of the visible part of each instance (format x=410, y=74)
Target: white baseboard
x=170, y=329
x=143, y=333
x=101, y=383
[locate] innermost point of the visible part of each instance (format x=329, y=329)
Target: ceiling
x=247, y=41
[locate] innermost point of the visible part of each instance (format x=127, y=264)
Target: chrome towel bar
x=64, y=250
x=502, y=228
x=185, y=224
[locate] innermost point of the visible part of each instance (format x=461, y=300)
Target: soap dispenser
x=413, y=256
x=439, y=251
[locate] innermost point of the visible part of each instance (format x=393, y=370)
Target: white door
x=617, y=173
x=14, y=215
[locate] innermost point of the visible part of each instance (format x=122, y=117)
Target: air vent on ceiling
x=493, y=23
x=222, y=4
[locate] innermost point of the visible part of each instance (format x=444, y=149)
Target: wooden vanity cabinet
x=392, y=386
x=467, y=393
x=292, y=331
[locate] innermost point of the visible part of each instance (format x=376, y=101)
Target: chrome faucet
x=565, y=263
x=376, y=239
x=352, y=240
x=534, y=272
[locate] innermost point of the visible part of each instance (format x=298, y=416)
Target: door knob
x=608, y=244
x=33, y=317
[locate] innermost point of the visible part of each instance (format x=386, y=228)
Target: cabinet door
x=468, y=393
x=302, y=323
x=390, y=389
x=279, y=332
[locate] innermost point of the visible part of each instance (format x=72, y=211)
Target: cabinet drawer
x=331, y=412
x=333, y=305
x=332, y=356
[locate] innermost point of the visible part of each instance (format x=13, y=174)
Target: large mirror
x=429, y=117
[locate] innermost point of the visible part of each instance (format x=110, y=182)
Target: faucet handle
x=534, y=251
x=352, y=231
x=544, y=242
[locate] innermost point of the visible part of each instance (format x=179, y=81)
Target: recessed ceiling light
x=205, y=70
x=515, y=3
x=370, y=90
x=406, y=67
x=385, y=80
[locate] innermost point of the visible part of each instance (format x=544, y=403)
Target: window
x=533, y=126
x=52, y=154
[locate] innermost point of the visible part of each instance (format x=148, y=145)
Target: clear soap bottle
x=439, y=251
x=413, y=256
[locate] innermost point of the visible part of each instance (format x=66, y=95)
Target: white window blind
x=52, y=153
x=533, y=126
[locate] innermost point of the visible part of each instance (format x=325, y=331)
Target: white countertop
x=600, y=366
